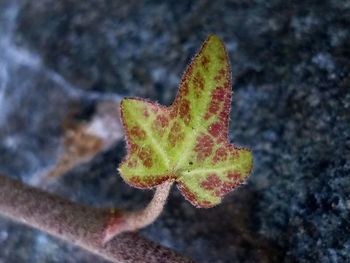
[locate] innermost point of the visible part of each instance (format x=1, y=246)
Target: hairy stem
x=81, y=225
x=131, y=221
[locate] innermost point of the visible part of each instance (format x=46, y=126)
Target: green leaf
x=188, y=141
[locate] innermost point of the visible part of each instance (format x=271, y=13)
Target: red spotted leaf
x=188, y=141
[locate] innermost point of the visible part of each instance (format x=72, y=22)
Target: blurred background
x=65, y=65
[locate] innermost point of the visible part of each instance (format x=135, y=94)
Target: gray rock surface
x=291, y=69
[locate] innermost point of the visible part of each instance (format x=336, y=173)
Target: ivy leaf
x=188, y=141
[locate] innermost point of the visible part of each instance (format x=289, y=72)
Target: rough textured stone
x=291, y=64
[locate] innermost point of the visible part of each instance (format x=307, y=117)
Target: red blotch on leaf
x=214, y=107
x=216, y=129
x=204, y=147
x=234, y=152
x=148, y=162
x=132, y=163
x=211, y=182
x=205, y=62
x=138, y=133
x=222, y=58
x=154, y=108
x=145, y=155
x=133, y=147
x=184, y=88
x=198, y=82
x=223, y=115
x=176, y=134
x=145, y=112
x=225, y=188
x=220, y=155
x=160, y=123
x=219, y=93
x=184, y=111
x=217, y=97
x=234, y=176
x=222, y=74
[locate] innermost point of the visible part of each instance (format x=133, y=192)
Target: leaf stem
x=131, y=221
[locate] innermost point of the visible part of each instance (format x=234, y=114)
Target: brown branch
x=81, y=225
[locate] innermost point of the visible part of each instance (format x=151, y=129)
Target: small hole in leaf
x=190, y=163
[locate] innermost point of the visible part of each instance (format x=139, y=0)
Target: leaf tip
x=215, y=42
